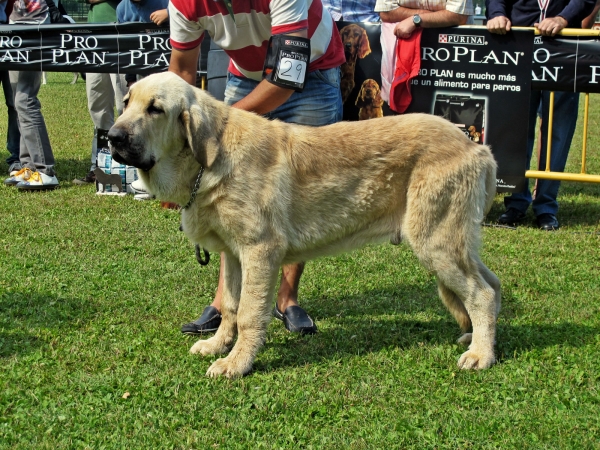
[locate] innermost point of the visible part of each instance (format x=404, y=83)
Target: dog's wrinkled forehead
x=162, y=91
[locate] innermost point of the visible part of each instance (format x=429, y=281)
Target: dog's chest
x=200, y=232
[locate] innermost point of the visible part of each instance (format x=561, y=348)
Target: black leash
x=202, y=261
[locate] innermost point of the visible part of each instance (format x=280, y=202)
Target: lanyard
x=543, y=4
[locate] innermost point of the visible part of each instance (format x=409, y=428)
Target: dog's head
x=355, y=41
x=369, y=95
x=166, y=125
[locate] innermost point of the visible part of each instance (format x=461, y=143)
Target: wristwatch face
x=417, y=20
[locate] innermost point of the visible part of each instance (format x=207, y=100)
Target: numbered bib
x=286, y=64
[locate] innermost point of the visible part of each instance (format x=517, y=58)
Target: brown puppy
x=369, y=100
x=356, y=45
x=266, y=193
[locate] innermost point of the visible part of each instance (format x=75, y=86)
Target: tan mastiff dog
x=267, y=193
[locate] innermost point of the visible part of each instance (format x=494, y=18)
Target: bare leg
x=219, y=294
x=288, y=287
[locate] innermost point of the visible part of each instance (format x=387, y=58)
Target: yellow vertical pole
x=550, y=122
x=586, y=111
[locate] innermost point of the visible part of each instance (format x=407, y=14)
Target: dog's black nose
x=117, y=136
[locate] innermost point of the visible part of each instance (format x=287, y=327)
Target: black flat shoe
x=208, y=322
x=548, y=222
x=511, y=217
x=296, y=320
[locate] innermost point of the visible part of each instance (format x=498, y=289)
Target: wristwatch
x=417, y=20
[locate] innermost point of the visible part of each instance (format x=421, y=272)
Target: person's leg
x=320, y=103
x=119, y=85
x=13, y=134
x=288, y=287
x=566, y=106
x=36, y=151
x=517, y=203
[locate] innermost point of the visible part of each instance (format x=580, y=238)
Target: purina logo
x=461, y=39
x=296, y=43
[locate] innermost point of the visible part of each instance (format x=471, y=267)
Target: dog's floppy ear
x=201, y=135
x=378, y=101
x=364, y=48
x=360, y=101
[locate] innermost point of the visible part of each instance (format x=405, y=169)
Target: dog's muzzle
x=124, y=152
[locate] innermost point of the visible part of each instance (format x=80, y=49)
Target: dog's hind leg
x=457, y=307
x=491, y=278
x=448, y=247
x=254, y=314
x=223, y=339
x=458, y=310
x=479, y=299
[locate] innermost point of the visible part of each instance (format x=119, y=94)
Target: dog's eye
x=125, y=102
x=153, y=109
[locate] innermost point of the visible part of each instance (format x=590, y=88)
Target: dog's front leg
x=222, y=341
x=259, y=275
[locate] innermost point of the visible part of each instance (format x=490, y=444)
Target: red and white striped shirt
x=245, y=40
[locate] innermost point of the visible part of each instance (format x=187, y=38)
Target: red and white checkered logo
x=443, y=39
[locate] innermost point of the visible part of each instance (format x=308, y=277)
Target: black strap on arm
x=286, y=63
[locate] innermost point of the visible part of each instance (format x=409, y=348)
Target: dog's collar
x=195, y=190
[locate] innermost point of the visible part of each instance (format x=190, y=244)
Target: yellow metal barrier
x=565, y=176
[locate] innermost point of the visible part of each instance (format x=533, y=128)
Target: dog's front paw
x=476, y=360
x=210, y=346
x=229, y=367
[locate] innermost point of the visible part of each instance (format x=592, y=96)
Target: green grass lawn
x=93, y=290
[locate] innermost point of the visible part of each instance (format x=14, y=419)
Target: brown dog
x=356, y=45
x=369, y=100
x=105, y=179
x=267, y=193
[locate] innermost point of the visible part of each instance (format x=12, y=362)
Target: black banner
x=481, y=82
x=559, y=64
x=140, y=48
x=569, y=64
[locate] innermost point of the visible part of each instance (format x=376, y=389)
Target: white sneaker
x=143, y=197
x=38, y=181
x=18, y=176
x=139, y=187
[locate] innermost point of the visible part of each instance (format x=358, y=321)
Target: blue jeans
x=320, y=103
x=13, y=135
x=36, y=151
x=566, y=107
